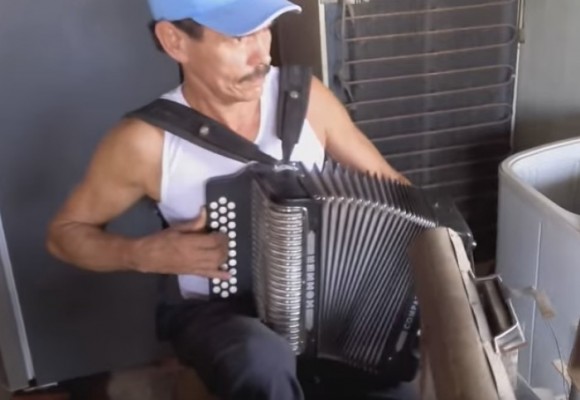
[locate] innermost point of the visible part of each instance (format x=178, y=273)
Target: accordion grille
x=366, y=283
x=277, y=274
x=365, y=272
x=364, y=288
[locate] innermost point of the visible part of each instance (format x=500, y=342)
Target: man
x=223, y=47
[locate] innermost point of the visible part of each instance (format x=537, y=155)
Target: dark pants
x=237, y=357
x=234, y=354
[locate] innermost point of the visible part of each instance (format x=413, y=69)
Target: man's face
x=232, y=68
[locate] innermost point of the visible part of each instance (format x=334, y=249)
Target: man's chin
x=250, y=92
x=255, y=83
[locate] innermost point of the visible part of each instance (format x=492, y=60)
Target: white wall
x=548, y=106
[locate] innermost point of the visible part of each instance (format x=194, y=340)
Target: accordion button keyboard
x=222, y=218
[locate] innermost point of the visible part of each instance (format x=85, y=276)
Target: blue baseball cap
x=229, y=17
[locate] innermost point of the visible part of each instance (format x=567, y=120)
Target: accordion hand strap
x=201, y=130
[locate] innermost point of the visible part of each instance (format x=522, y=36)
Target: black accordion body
x=323, y=254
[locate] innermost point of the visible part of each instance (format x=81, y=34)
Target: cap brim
x=241, y=18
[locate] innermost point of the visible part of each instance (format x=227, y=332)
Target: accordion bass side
x=323, y=254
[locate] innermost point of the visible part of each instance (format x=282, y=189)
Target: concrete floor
x=149, y=383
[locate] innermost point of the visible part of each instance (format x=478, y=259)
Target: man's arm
x=344, y=142
x=126, y=167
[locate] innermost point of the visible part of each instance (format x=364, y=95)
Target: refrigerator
x=69, y=70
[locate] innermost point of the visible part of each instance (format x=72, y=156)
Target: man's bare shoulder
x=325, y=111
x=134, y=136
x=131, y=152
x=318, y=108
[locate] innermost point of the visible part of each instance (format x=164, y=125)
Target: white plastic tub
x=539, y=246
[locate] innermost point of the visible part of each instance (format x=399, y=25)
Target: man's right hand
x=183, y=249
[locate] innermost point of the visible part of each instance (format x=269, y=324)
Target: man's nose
x=261, y=47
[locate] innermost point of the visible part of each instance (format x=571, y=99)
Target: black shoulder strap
x=193, y=126
x=293, y=98
x=201, y=130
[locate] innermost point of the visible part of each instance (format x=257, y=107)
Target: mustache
x=260, y=72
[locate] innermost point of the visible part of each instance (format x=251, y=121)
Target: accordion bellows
x=326, y=260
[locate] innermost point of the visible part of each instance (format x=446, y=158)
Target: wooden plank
x=450, y=339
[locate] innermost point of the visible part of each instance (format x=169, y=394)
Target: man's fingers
x=224, y=276
x=210, y=257
x=200, y=221
x=405, y=181
x=211, y=241
x=209, y=270
x=213, y=260
x=196, y=225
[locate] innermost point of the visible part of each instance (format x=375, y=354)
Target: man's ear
x=172, y=40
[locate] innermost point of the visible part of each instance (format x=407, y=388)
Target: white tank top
x=186, y=167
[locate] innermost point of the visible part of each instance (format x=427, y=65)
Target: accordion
x=323, y=255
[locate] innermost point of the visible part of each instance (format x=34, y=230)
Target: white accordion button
x=216, y=289
x=214, y=225
x=232, y=244
x=223, y=210
x=222, y=200
x=233, y=281
x=214, y=215
x=213, y=205
x=231, y=206
x=223, y=220
x=232, y=263
x=231, y=215
x=232, y=235
x=223, y=229
x=225, y=295
x=231, y=225
x=225, y=285
x=232, y=253
x=233, y=272
x=216, y=281
x=224, y=267
x=233, y=290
